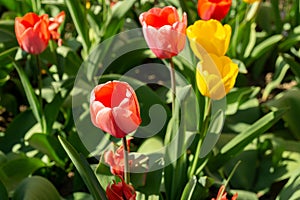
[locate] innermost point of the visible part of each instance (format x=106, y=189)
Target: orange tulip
x=120, y=191
x=114, y=108
x=163, y=31
x=213, y=9
x=32, y=32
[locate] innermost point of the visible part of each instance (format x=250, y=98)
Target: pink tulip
x=163, y=31
x=114, y=108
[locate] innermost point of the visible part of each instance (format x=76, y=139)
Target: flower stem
x=40, y=85
x=126, y=164
x=173, y=84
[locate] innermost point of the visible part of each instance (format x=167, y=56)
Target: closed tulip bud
x=32, y=32
x=216, y=76
x=213, y=9
x=211, y=35
x=164, y=32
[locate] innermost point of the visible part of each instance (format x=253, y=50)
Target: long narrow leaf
x=84, y=170
x=31, y=97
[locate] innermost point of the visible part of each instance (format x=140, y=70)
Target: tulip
x=213, y=9
x=116, y=160
x=216, y=76
x=120, y=191
x=251, y=1
x=163, y=31
x=32, y=32
x=222, y=195
x=114, y=108
x=211, y=35
x=54, y=23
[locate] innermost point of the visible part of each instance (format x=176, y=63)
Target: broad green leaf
x=294, y=65
x=49, y=146
x=238, y=143
x=213, y=133
x=80, y=196
x=16, y=169
x=16, y=130
x=290, y=100
x=32, y=99
x=36, y=188
x=84, y=170
x=76, y=10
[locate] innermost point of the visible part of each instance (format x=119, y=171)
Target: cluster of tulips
x=114, y=106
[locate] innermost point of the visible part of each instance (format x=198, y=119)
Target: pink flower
x=116, y=160
x=120, y=191
x=163, y=31
x=114, y=108
x=54, y=24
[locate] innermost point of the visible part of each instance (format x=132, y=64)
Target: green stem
x=173, y=84
x=126, y=164
x=202, y=136
x=40, y=85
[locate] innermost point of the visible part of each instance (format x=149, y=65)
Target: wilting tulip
x=120, y=191
x=222, y=195
x=163, y=31
x=54, y=24
x=211, y=35
x=114, y=108
x=213, y=9
x=116, y=160
x=216, y=75
x=32, y=32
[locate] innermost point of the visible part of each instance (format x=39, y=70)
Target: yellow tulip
x=216, y=75
x=211, y=35
x=250, y=1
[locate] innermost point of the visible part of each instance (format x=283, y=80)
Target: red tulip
x=32, y=32
x=114, y=108
x=163, y=31
x=120, y=191
x=54, y=24
x=213, y=9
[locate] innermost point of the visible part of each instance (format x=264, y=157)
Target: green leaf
x=6, y=36
x=289, y=100
x=36, y=188
x=15, y=170
x=49, y=145
x=80, y=196
x=238, y=143
x=3, y=192
x=245, y=195
x=32, y=99
x=291, y=190
x=76, y=10
x=84, y=170
x=118, y=15
x=9, y=52
x=189, y=189
x=213, y=133
x=265, y=46
x=16, y=130
x=280, y=71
